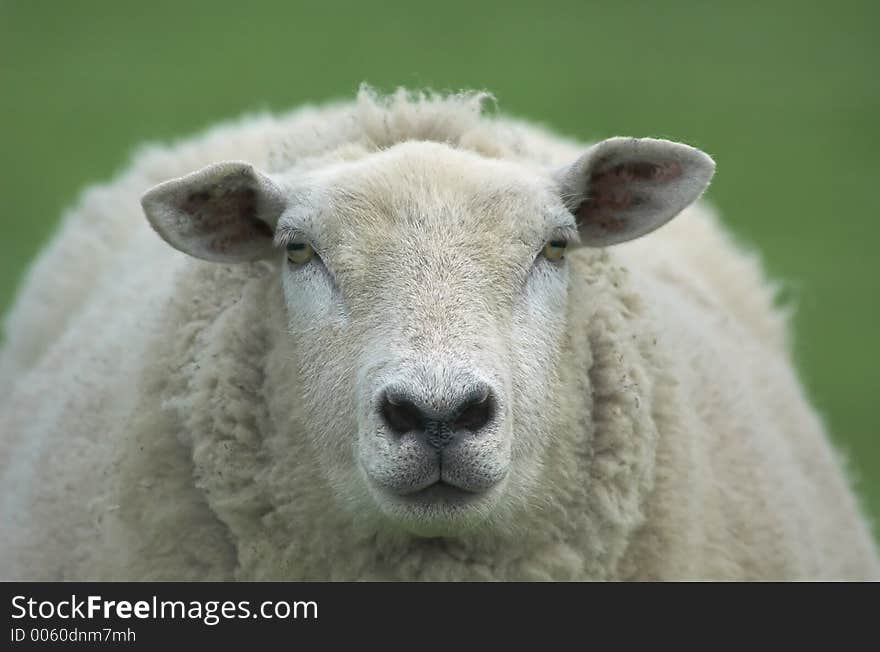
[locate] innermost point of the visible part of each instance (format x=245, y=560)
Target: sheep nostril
x=401, y=415
x=476, y=414
x=471, y=413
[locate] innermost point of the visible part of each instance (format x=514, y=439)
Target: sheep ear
x=225, y=212
x=623, y=188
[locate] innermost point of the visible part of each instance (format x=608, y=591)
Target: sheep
x=399, y=338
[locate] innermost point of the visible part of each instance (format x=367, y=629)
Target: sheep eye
x=554, y=250
x=299, y=253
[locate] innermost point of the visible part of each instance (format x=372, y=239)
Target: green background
x=785, y=96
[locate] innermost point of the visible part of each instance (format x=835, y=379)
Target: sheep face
x=424, y=299
x=426, y=290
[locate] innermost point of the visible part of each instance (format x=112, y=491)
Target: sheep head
x=426, y=291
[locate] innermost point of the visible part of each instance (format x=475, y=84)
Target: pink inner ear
x=228, y=214
x=612, y=191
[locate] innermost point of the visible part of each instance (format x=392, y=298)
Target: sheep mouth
x=440, y=509
x=442, y=500
x=442, y=492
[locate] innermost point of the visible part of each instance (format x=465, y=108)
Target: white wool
x=154, y=424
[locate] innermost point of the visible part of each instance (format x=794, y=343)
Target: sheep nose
x=440, y=421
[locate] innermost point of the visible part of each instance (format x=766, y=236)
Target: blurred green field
x=784, y=95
